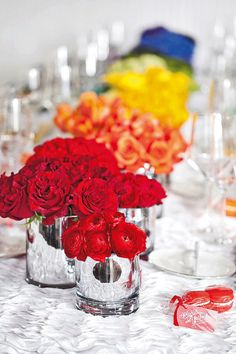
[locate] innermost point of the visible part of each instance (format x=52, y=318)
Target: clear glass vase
x=46, y=262
x=108, y=288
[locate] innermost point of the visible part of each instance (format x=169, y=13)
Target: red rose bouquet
x=101, y=234
x=137, y=191
x=73, y=177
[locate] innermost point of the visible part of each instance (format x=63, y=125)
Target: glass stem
x=209, y=207
x=216, y=221
x=221, y=216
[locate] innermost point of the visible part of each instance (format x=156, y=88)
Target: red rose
x=48, y=195
x=77, y=168
x=127, y=240
x=108, y=162
x=73, y=242
x=86, y=157
x=100, y=170
x=60, y=148
x=42, y=165
x=77, y=148
x=97, y=245
x=115, y=219
x=150, y=191
x=125, y=188
x=13, y=197
x=94, y=222
x=103, y=157
x=52, y=149
x=93, y=196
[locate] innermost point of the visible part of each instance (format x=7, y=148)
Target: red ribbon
x=180, y=303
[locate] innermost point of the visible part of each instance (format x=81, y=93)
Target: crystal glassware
x=16, y=134
x=117, y=36
x=204, y=252
x=213, y=153
x=88, y=67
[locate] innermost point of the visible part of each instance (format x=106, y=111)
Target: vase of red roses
x=139, y=198
x=107, y=270
x=151, y=214
x=47, y=191
x=65, y=180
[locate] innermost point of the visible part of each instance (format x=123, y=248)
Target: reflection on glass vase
x=108, y=288
x=145, y=218
x=149, y=171
x=46, y=262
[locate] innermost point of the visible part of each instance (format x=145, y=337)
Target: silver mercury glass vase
x=46, y=262
x=109, y=288
x=145, y=219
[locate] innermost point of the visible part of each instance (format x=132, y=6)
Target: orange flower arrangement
x=135, y=138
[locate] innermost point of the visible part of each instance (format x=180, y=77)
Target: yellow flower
x=156, y=90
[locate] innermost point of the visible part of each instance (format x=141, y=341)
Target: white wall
x=31, y=29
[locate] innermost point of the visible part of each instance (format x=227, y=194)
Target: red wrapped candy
x=197, y=309
x=221, y=298
x=196, y=298
x=194, y=317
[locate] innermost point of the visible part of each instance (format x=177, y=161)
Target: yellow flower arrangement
x=155, y=90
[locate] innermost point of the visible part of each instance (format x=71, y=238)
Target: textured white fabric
x=34, y=320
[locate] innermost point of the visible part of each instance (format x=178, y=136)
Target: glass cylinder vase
x=108, y=288
x=46, y=262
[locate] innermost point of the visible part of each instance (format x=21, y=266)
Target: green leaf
x=35, y=217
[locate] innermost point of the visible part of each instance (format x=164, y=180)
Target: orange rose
x=92, y=107
x=133, y=136
x=129, y=152
x=146, y=128
x=63, y=115
x=177, y=145
x=160, y=156
x=80, y=125
x=86, y=119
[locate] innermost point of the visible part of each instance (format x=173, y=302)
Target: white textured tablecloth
x=34, y=320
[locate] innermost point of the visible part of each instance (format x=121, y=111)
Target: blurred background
x=31, y=30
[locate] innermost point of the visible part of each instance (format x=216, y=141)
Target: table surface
x=34, y=320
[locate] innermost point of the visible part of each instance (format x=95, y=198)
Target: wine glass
x=16, y=134
x=227, y=178
x=205, y=252
x=212, y=153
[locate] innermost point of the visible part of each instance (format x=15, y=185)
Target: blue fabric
x=168, y=43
